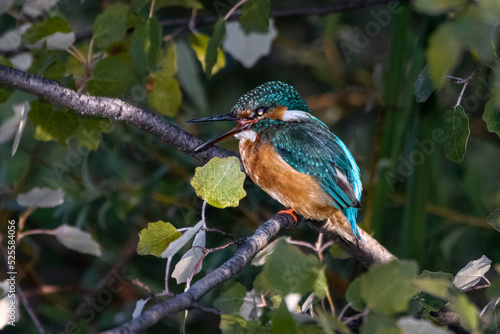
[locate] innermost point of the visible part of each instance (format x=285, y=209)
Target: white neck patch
x=248, y=134
x=295, y=115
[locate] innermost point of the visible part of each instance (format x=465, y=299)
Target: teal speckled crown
x=271, y=94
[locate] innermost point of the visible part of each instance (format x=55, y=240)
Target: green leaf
x=261, y=257
x=220, y=182
x=491, y=116
x=320, y=287
x=379, y=324
x=111, y=77
x=467, y=313
x=436, y=289
x=437, y=7
x=49, y=64
x=430, y=302
x=110, y=26
x=353, y=295
x=457, y=134
x=89, y=132
x=166, y=96
x=439, y=284
x=424, y=86
x=287, y=270
x=213, y=46
x=199, y=43
x=472, y=273
x=380, y=296
x=77, y=240
x=255, y=15
x=41, y=198
x=50, y=124
x=443, y=53
x=154, y=239
x=310, y=329
x=164, y=93
x=282, y=321
x=494, y=219
x=231, y=298
x=331, y=324
x=144, y=44
x=437, y=275
x=45, y=28
x=180, y=3
x=235, y=324
x=189, y=78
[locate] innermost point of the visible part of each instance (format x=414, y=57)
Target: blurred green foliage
x=378, y=76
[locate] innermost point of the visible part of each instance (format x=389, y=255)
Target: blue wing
x=313, y=150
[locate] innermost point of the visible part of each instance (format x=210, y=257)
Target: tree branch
x=110, y=108
x=368, y=252
x=182, y=24
x=331, y=8
x=189, y=299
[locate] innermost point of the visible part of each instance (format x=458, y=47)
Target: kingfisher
x=293, y=156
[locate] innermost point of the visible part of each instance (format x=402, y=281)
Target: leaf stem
x=151, y=9
x=21, y=235
x=231, y=11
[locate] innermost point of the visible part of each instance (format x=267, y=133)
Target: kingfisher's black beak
x=215, y=118
x=242, y=126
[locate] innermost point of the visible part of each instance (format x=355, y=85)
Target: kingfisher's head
x=271, y=103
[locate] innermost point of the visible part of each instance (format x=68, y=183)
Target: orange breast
x=289, y=187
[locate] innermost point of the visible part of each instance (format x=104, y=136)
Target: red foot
x=290, y=212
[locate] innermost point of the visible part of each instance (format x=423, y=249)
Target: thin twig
x=21, y=295
x=465, y=82
x=192, y=21
x=21, y=235
x=203, y=211
x=206, y=309
x=448, y=213
x=22, y=220
x=325, y=246
x=231, y=11
x=167, y=274
x=223, y=233
x=227, y=270
x=479, y=287
x=151, y=9
x=302, y=243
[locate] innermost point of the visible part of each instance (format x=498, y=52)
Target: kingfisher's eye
x=260, y=111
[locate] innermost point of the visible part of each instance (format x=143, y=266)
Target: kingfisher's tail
x=351, y=214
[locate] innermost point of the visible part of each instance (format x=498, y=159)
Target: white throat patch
x=248, y=134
